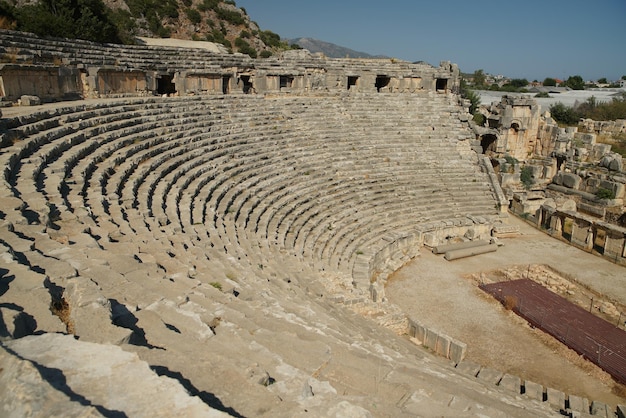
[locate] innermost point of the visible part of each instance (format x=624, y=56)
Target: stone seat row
x=30, y=46
x=107, y=169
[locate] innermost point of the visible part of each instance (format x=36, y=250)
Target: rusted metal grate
x=594, y=338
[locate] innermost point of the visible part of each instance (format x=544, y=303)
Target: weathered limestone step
x=68, y=371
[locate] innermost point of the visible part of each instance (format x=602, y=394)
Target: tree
x=82, y=19
x=479, y=79
x=575, y=82
x=519, y=82
x=515, y=85
x=194, y=16
x=7, y=17
x=549, y=82
x=564, y=114
x=474, y=99
x=602, y=80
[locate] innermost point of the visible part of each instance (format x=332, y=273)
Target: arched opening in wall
x=352, y=81
x=286, y=81
x=247, y=84
x=515, y=126
x=225, y=84
x=382, y=81
x=488, y=142
x=165, y=84
x=441, y=84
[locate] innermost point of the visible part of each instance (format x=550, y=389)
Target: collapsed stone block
x=28, y=100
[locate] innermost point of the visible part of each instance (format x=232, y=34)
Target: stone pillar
x=558, y=224
x=614, y=244
x=590, y=238
x=579, y=233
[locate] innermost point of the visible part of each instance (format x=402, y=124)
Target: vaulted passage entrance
x=488, y=143
x=165, y=85
x=382, y=81
x=352, y=81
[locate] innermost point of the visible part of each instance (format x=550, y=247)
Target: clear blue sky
x=520, y=39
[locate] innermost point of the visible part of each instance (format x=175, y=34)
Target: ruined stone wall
x=49, y=83
x=113, y=81
x=107, y=69
x=518, y=121
x=609, y=128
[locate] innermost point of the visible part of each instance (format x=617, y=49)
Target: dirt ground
x=445, y=295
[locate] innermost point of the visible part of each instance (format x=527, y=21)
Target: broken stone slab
x=118, y=382
x=17, y=323
x=442, y=249
x=26, y=392
x=89, y=313
x=470, y=252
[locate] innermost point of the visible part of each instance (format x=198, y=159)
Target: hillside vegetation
x=121, y=21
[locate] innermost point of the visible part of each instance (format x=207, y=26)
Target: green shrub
x=82, y=19
x=474, y=99
x=526, y=177
x=605, y=194
x=265, y=54
x=479, y=119
x=245, y=48
x=208, y=5
x=194, y=16
x=231, y=16
x=511, y=160
x=218, y=37
x=269, y=38
x=564, y=114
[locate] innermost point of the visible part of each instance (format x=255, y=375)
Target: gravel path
x=437, y=293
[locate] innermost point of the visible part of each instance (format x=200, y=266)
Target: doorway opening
x=381, y=82
x=165, y=84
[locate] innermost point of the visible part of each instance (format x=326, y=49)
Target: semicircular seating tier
x=323, y=183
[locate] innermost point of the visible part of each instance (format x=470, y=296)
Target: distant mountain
x=329, y=49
